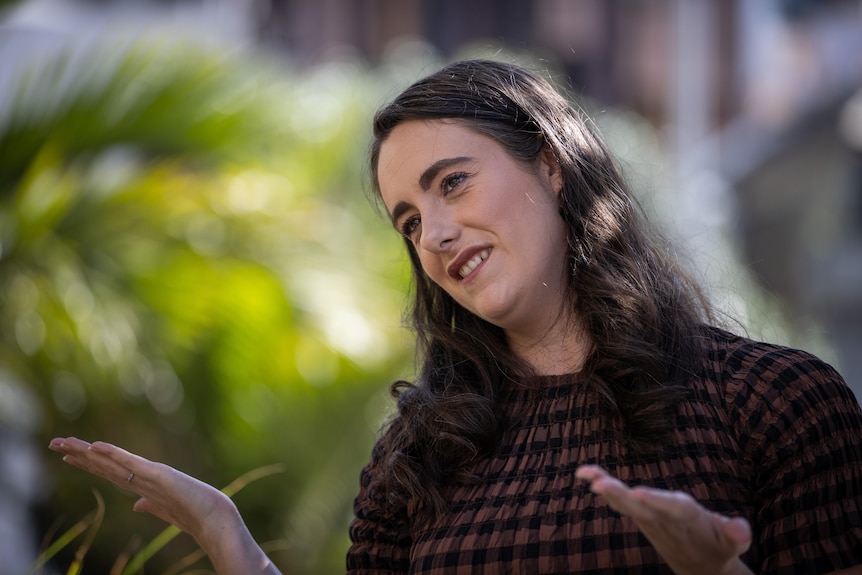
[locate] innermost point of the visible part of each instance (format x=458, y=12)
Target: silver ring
x=130, y=477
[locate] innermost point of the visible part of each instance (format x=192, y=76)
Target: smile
x=474, y=262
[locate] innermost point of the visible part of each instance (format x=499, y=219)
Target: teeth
x=474, y=263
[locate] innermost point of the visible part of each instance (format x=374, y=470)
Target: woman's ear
x=549, y=169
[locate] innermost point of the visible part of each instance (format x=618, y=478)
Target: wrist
x=220, y=526
x=225, y=538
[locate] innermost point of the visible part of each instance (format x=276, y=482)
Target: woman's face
x=486, y=227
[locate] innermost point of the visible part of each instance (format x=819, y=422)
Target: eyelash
x=409, y=226
x=447, y=186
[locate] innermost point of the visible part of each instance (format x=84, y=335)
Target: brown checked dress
x=771, y=434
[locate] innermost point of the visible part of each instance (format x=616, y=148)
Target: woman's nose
x=439, y=232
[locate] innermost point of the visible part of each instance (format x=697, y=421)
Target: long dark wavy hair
x=641, y=313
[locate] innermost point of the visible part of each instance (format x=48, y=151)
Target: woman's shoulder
x=798, y=431
x=772, y=392
x=761, y=367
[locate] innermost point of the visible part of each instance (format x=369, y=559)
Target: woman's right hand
x=692, y=539
x=193, y=506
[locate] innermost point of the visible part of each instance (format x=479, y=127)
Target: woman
x=564, y=356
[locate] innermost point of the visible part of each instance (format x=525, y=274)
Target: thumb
x=144, y=505
x=736, y=532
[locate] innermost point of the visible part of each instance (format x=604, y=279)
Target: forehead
x=416, y=144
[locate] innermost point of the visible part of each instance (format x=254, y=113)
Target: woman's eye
x=452, y=181
x=409, y=226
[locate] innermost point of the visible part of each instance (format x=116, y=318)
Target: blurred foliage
x=189, y=268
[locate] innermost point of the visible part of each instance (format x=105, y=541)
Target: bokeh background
x=190, y=266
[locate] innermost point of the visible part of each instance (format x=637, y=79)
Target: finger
x=601, y=482
x=612, y=489
x=735, y=530
x=621, y=498
x=102, y=467
x=58, y=443
x=101, y=461
x=142, y=467
x=675, y=505
x=68, y=444
x=144, y=505
x=590, y=472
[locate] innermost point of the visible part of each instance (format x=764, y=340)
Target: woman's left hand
x=692, y=539
x=192, y=505
x=197, y=508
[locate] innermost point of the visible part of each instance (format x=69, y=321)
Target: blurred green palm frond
x=161, y=100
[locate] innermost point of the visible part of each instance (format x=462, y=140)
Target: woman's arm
x=800, y=434
x=199, y=509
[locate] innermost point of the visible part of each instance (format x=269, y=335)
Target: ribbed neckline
x=542, y=387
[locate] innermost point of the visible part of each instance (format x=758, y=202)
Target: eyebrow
x=425, y=180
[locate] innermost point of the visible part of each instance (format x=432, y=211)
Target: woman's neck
x=561, y=349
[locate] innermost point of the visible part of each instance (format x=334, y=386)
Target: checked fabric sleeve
x=800, y=436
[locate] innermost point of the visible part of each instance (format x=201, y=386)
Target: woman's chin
x=498, y=313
